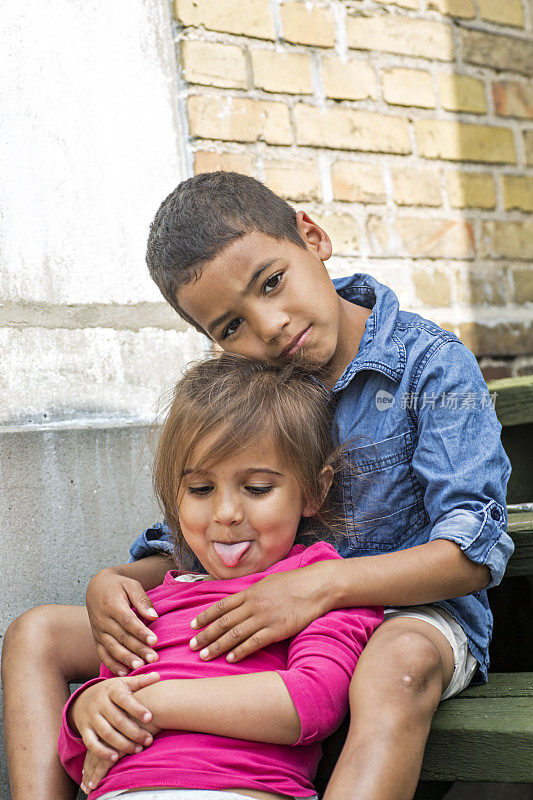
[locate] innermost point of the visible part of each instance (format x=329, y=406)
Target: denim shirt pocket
x=383, y=500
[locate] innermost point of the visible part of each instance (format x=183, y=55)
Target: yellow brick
x=238, y=119
x=459, y=141
x=416, y=187
x=499, y=52
x=513, y=98
x=208, y=161
x=470, y=189
x=462, y=93
x=528, y=146
x=252, y=18
x=347, y=129
x=523, y=285
x=480, y=288
x=304, y=25
x=505, y=338
x=414, y=4
x=351, y=80
x=421, y=238
x=214, y=64
x=282, y=72
x=397, y=34
x=294, y=180
x=508, y=239
x=506, y=12
x=408, y=87
x=454, y=8
x=436, y=238
x=432, y=286
x=357, y=183
x=343, y=231
x=518, y=192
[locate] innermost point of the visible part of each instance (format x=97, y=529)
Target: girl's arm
x=282, y=604
x=255, y=706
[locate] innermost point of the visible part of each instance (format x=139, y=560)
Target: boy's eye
x=272, y=282
x=259, y=489
x=231, y=328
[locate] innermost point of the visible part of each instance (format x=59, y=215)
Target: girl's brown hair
x=242, y=401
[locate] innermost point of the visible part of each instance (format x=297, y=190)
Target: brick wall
x=405, y=128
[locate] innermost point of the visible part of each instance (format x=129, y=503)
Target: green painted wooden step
x=520, y=528
x=484, y=734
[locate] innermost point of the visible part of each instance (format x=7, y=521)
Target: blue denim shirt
x=419, y=425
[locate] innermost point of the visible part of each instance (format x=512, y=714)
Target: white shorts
x=465, y=664
x=182, y=794
x=176, y=794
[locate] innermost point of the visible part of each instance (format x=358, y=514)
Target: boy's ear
x=325, y=480
x=313, y=235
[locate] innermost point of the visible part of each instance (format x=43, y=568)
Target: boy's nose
x=270, y=326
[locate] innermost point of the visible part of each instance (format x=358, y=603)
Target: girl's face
x=240, y=515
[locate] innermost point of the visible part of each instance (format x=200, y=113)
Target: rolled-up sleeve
x=157, y=539
x=459, y=458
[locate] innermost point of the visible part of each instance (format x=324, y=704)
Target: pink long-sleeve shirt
x=316, y=667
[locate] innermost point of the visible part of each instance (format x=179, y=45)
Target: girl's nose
x=228, y=510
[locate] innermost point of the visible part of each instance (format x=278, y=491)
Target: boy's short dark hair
x=201, y=217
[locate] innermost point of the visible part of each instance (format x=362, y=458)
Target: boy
x=426, y=513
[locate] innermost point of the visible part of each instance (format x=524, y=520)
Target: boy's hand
x=121, y=638
x=110, y=720
x=273, y=609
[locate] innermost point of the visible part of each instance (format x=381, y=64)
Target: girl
x=245, y=453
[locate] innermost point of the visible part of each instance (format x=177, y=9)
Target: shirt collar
x=380, y=349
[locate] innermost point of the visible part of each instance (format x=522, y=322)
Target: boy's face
x=270, y=300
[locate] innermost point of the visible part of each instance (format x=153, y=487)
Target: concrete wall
x=91, y=143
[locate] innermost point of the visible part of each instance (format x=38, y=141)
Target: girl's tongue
x=231, y=553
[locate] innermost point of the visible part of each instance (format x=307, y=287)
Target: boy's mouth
x=296, y=344
x=231, y=554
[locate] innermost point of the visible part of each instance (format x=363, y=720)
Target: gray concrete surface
x=72, y=498
x=92, y=141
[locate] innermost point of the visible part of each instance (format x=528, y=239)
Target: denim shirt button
x=495, y=513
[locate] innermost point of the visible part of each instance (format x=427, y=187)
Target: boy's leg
x=394, y=693
x=44, y=650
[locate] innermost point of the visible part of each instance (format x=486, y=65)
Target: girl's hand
x=94, y=769
x=275, y=608
x=110, y=720
x=121, y=638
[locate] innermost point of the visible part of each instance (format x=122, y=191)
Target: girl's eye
x=201, y=490
x=259, y=489
x=272, y=282
x=231, y=328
